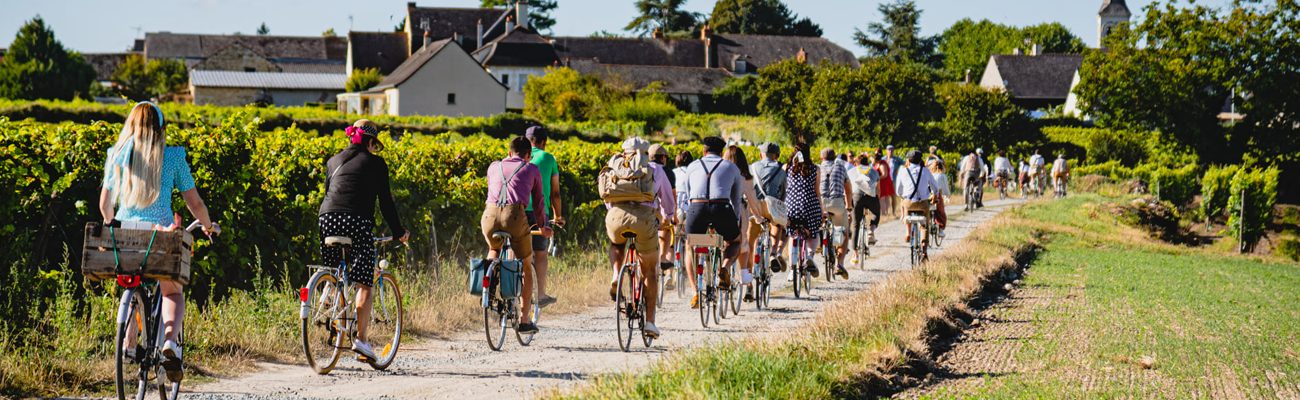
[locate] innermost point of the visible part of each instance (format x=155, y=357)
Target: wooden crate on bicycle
x=169, y=257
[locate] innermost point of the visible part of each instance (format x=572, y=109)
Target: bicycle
x=936, y=234
x=1001, y=183
x=1059, y=185
x=972, y=193
x=139, y=310
x=832, y=235
x=500, y=298
x=914, y=220
x=798, y=257
x=679, y=264
x=629, y=304
x=762, y=284
x=708, y=252
x=328, y=313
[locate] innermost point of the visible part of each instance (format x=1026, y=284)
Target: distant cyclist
x=916, y=186
x=886, y=183
x=752, y=207
x=835, y=191
x=866, y=189
x=895, y=162
x=684, y=159
x=713, y=186
x=659, y=157
x=971, y=172
x=1022, y=180
x=640, y=218
x=770, y=180
x=1037, y=168
x=1060, y=174
x=550, y=170
x=512, y=183
x=942, y=191
x=356, y=178
x=140, y=174
x=1002, y=170
x=803, y=199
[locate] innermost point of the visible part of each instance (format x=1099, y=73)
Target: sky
x=94, y=26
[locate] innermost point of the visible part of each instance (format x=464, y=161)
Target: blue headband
x=161, y=122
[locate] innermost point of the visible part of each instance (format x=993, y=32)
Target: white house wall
x=992, y=79
x=425, y=92
x=518, y=76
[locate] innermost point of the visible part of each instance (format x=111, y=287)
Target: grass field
x=1105, y=314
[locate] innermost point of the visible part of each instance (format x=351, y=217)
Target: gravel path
x=570, y=348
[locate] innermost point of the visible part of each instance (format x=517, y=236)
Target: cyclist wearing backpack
x=140, y=174
x=356, y=179
x=638, y=198
x=770, y=185
x=512, y=183
x=713, y=187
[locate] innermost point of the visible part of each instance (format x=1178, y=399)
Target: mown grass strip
x=853, y=348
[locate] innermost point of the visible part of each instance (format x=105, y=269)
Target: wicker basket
x=169, y=258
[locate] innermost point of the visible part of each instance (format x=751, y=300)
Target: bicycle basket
x=169, y=253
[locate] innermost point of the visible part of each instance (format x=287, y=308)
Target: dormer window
x=740, y=66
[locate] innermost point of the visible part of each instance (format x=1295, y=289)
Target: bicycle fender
x=304, y=310
x=122, y=305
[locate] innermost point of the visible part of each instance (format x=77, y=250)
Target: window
x=250, y=69
x=505, y=80
x=451, y=99
x=523, y=80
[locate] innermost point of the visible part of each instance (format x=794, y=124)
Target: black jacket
x=354, y=179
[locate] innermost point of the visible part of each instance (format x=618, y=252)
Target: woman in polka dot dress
x=803, y=202
x=355, y=179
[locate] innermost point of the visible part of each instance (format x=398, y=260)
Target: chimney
x=706, y=34
x=479, y=45
x=801, y=56
x=510, y=25
x=657, y=34
x=1035, y=50
x=521, y=12
x=426, y=40
x=1015, y=51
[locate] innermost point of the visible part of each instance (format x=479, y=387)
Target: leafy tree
x=605, y=34
x=738, y=95
x=400, y=27
x=263, y=30
x=36, y=66
x=782, y=87
x=137, y=79
x=974, y=116
x=329, y=33
x=665, y=15
x=898, y=37
x=760, y=17
x=539, y=12
x=968, y=44
x=565, y=95
x=883, y=102
x=363, y=79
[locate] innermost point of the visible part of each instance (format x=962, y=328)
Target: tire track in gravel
x=570, y=348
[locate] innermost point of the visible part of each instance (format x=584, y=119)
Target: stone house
x=237, y=88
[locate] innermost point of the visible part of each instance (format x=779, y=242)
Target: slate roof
x=413, y=64
x=632, y=51
x=267, y=80
x=762, y=50
x=382, y=50
x=104, y=63
x=1114, y=6
x=523, y=47
x=445, y=22
x=274, y=48
x=1046, y=76
x=677, y=80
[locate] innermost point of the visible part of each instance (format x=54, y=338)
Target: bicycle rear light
x=302, y=294
x=128, y=281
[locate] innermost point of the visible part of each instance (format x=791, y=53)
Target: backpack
x=626, y=180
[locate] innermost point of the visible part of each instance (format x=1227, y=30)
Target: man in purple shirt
x=642, y=220
x=511, y=183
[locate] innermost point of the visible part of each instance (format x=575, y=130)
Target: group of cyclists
x=1029, y=176
x=782, y=194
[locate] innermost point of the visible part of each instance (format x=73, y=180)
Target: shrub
x=362, y=79
x=1177, y=186
x=1214, y=191
x=975, y=116
x=649, y=107
x=1101, y=145
x=738, y=96
x=1253, y=193
x=1289, y=248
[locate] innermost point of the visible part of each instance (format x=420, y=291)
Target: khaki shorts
x=512, y=219
x=636, y=219
x=838, y=211
x=922, y=206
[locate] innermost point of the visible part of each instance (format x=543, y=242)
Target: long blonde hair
x=134, y=167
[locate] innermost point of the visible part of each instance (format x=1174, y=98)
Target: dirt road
x=570, y=348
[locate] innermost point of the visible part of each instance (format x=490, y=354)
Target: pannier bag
x=507, y=284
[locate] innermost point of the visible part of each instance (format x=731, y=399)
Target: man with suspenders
x=713, y=187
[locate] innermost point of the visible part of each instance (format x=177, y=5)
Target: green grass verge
x=1217, y=326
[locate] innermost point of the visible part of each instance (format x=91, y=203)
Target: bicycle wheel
x=131, y=377
x=386, y=320
x=496, y=311
x=915, y=244
x=736, y=295
x=322, y=340
x=663, y=277
x=715, y=292
x=624, y=309
x=703, y=292
x=641, y=314
x=796, y=270
x=526, y=339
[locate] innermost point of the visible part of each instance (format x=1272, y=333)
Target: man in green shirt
x=551, y=191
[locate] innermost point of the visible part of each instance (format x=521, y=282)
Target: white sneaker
x=363, y=349
x=651, y=330
x=171, y=350
x=172, y=361
x=941, y=233
x=746, y=277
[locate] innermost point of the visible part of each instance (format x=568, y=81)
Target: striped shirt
x=833, y=178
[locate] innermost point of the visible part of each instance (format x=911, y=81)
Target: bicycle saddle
x=338, y=241
x=501, y=235
x=629, y=235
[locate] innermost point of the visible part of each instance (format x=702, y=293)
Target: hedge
x=1215, y=185
x=1177, y=186
x=1255, y=190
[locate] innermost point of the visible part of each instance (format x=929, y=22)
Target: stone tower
x=1113, y=12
